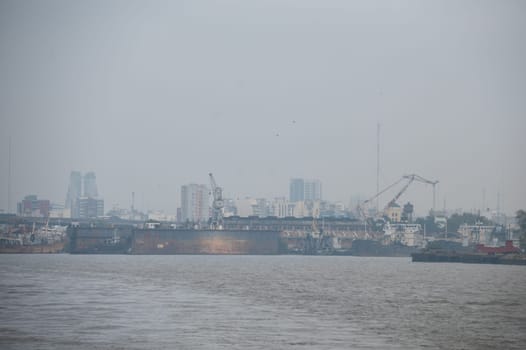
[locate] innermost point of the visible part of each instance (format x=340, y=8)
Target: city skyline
x=199, y=212
x=200, y=88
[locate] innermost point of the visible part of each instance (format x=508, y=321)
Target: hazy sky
x=152, y=95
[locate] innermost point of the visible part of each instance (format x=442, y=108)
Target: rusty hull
x=235, y=242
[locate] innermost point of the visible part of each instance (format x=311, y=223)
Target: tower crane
x=217, y=204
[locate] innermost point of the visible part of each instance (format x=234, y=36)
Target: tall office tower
x=312, y=190
x=194, y=203
x=74, y=189
x=297, y=190
x=90, y=185
x=305, y=190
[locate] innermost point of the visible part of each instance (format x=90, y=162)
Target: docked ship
x=44, y=240
x=399, y=240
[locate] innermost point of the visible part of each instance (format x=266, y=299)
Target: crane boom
x=410, y=178
x=361, y=205
x=393, y=201
x=420, y=178
x=426, y=181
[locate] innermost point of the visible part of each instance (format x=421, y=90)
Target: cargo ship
x=45, y=240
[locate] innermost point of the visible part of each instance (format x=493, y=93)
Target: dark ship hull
x=365, y=247
x=229, y=242
x=110, y=240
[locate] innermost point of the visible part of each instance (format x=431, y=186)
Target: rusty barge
x=131, y=240
x=506, y=255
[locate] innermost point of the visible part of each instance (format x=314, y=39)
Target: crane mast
x=217, y=205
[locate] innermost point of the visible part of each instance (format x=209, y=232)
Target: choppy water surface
x=257, y=302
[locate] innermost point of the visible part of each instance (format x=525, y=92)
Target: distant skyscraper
x=83, y=204
x=90, y=185
x=305, y=190
x=312, y=190
x=74, y=189
x=195, y=203
x=297, y=190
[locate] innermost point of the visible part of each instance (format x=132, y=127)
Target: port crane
x=410, y=178
x=217, y=205
x=361, y=207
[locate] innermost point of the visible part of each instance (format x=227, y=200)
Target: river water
x=257, y=302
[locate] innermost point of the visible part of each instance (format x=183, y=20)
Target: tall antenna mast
x=377, y=165
x=9, y=179
x=498, y=206
x=484, y=200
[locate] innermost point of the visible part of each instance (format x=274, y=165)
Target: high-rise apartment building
x=195, y=203
x=305, y=190
x=90, y=185
x=312, y=190
x=83, y=201
x=297, y=190
x=74, y=189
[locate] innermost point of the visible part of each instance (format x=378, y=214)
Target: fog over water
x=154, y=95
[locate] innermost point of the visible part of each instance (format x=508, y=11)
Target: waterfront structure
x=195, y=203
x=476, y=234
x=245, y=206
x=87, y=207
x=74, y=189
x=230, y=208
x=59, y=211
x=33, y=207
x=393, y=212
x=280, y=208
x=260, y=207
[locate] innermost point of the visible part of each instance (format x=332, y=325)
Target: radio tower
x=9, y=179
x=377, y=166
